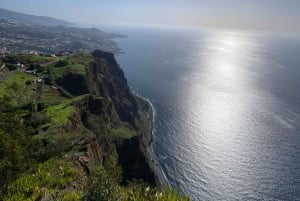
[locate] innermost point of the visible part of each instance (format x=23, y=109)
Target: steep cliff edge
x=112, y=110
x=73, y=130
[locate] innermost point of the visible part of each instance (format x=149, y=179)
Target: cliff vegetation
x=70, y=129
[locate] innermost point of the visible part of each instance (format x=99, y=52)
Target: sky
x=242, y=14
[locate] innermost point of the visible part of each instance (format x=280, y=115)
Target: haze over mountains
x=31, y=19
x=38, y=34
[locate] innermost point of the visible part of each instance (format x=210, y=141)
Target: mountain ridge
x=31, y=19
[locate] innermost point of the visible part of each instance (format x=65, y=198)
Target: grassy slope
x=61, y=112
x=15, y=81
x=51, y=176
x=74, y=63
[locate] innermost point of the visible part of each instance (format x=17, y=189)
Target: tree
x=15, y=142
x=61, y=63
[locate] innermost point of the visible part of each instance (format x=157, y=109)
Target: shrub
x=139, y=191
x=28, y=82
x=15, y=145
x=50, y=176
x=101, y=186
x=54, y=145
x=38, y=119
x=61, y=63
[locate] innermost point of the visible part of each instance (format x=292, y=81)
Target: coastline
x=148, y=150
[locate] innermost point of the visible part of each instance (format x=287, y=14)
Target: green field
x=60, y=113
x=76, y=64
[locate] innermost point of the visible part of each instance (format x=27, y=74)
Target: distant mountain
x=22, y=33
x=31, y=19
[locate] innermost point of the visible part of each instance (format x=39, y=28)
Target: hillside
x=22, y=33
x=70, y=129
x=31, y=19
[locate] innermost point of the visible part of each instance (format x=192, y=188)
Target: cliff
x=117, y=112
x=118, y=119
x=73, y=130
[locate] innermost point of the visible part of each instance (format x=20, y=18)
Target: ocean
x=227, y=108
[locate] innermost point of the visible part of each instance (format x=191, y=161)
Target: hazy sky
x=252, y=14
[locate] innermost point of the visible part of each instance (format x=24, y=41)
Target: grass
x=60, y=113
x=75, y=64
x=122, y=133
x=51, y=176
x=142, y=192
x=102, y=186
x=28, y=59
x=15, y=92
x=31, y=58
x=14, y=82
x=59, y=72
x=83, y=59
x=51, y=96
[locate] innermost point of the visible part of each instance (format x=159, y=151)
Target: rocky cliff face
x=110, y=112
x=114, y=85
x=103, y=78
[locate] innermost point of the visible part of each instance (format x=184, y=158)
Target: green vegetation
x=61, y=63
x=15, y=83
x=32, y=58
x=15, y=148
x=139, y=191
x=28, y=59
x=63, y=138
x=51, y=96
x=76, y=64
x=18, y=90
x=60, y=113
x=49, y=180
x=102, y=186
x=122, y=133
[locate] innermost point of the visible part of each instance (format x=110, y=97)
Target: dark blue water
x=227, y=122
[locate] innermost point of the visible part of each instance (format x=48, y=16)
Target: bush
x=28, y=82
x=54, y=145
x=139, y=191
x=38, y=119
x=15, y=145
x=50, y=178
x=61, y=63
x=101, y=186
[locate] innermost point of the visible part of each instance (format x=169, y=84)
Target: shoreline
x=149, y=153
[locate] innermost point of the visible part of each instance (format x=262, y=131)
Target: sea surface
x=227, y=108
